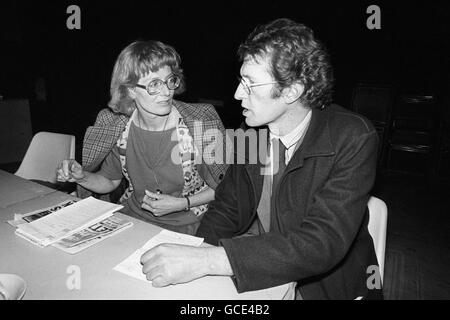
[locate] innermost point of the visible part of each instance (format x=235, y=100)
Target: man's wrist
x=216, y=262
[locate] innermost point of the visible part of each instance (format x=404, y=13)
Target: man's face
x=259, y=106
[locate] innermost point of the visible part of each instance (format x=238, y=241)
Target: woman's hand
x=162, y=204
x=70, y=170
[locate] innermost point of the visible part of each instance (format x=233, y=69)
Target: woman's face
x=159, y=104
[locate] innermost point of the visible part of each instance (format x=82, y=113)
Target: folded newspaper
x=72, y=225
x=93, y=234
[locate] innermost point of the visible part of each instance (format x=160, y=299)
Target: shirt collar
x=292, y=137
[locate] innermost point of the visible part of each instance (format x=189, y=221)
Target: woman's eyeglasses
x=155, y=86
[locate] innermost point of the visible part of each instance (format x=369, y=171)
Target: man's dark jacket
x=319, y=231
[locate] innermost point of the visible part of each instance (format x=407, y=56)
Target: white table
x=14, y=189
x=48, y=270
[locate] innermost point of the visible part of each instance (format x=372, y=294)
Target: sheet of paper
x=132, y=267
x=68, y=220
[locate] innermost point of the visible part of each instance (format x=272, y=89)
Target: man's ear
x=293, y=92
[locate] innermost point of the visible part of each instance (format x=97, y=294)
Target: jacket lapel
x=316, y=143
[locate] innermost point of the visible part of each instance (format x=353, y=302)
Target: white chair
x=44, y=153
x=377, y=229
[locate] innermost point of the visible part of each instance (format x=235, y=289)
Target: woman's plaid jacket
x=100, y=138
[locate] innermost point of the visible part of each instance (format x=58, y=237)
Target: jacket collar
x=182, y=108
x=316, y=143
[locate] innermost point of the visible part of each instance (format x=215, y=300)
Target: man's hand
x=171, y=264
x=162, y=204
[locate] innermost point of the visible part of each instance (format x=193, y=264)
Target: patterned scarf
x=193, y=182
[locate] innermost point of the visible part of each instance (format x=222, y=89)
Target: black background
x=410, y=52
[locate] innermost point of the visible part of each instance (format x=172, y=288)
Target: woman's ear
x=132, y=92
x=293, y=92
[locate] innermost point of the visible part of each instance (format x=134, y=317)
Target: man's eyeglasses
x=155, y=86
x=248, y=86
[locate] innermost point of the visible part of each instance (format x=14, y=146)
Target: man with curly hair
x=299, y=215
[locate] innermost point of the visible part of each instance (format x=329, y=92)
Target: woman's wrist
x=181, y=204
x=83, y=179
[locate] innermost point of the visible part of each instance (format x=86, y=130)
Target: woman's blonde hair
x=135, y=62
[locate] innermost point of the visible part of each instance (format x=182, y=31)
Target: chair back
x=377, y=229
x=414, y=135
x=45, y=152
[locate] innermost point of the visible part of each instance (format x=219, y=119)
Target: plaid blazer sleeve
x=99, y=140
x=101, y=137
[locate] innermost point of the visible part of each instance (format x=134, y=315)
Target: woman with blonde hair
x=156, y=148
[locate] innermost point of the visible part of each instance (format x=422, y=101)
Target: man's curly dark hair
x=295, y=55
